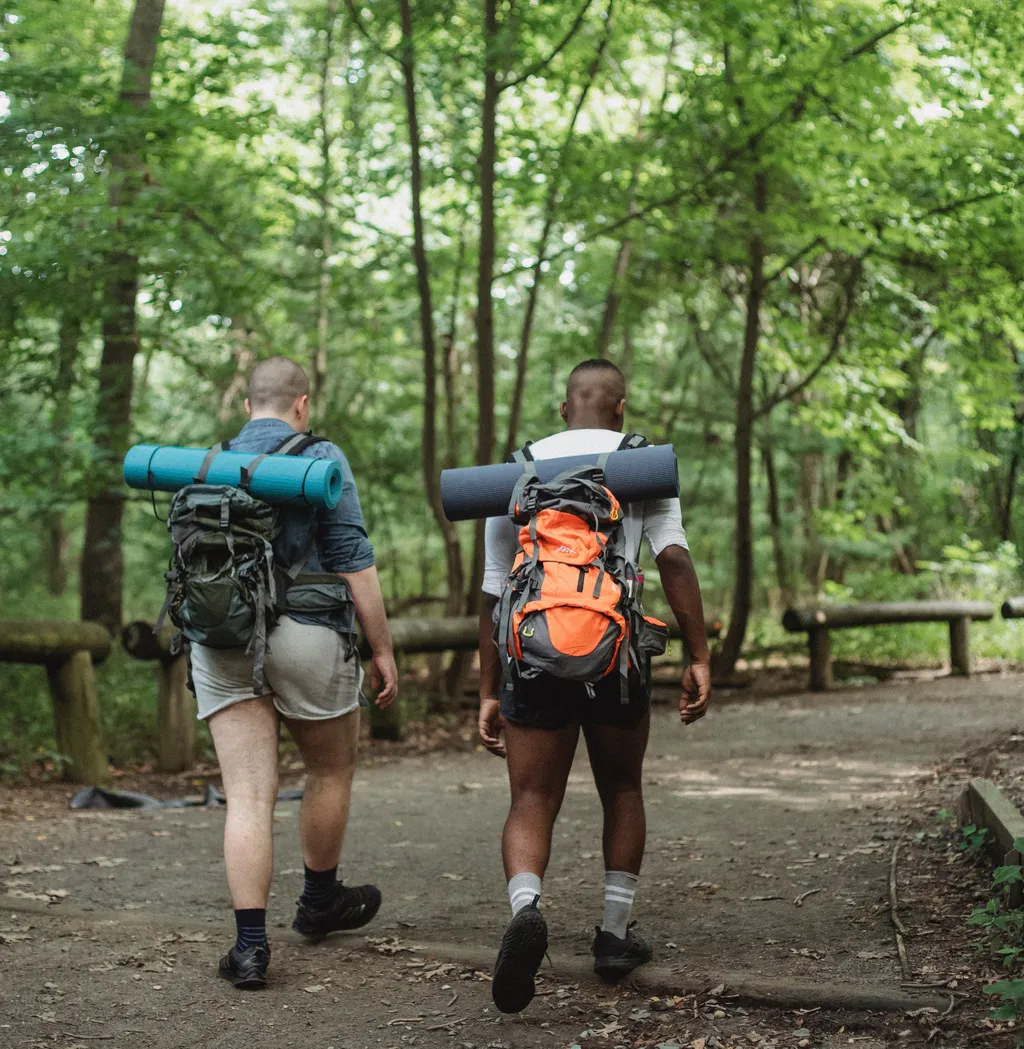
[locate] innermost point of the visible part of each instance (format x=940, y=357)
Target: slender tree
x=102, y=571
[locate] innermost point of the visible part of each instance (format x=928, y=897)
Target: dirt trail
x=759, y=806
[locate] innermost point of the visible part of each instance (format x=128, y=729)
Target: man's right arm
x=490, y=679
x=369, y=605
x=345, y=548
x=500, y=546
x=682, y=590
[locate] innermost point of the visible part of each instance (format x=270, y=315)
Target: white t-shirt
x=662, y=518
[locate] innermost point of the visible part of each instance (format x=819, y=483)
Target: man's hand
x=384, y=678
x=490, y=725
x=693, y=704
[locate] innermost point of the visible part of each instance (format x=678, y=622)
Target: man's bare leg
x=616, y=758
x=539, y=761
x=617, y=761
x=328, y=749
x=245, y=735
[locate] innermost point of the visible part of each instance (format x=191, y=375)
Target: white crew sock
x=523, y=889
x=619, y=893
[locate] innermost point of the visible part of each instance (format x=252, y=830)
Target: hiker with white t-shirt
x=540, y=713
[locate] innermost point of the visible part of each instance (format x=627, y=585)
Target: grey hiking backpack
x=224, y=589
x=572, y=602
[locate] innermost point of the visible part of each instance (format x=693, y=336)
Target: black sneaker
x=346, y=909
x=615, y=957
x=522, y=950
x=247, y=969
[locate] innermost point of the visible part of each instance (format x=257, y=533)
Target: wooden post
x=76, y=715
x=175, y=718
x=960, y=646
x=820, y=651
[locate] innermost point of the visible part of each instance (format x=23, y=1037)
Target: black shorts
x=548, y=702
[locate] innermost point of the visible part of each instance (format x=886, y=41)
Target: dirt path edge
x=653, y=980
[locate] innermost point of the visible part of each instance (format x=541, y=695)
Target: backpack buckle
x=225, y=512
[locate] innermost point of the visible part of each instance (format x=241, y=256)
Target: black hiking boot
x=522, y=950
x=615, y=957
x=247, y=969
x=346, y=909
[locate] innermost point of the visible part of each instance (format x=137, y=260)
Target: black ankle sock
x=251, y=924
x=319, y=885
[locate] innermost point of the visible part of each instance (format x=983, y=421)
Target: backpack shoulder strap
x=523, y=455
x=297, y=443
x=632, y=440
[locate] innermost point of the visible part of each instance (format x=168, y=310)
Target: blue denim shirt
x=342, y=544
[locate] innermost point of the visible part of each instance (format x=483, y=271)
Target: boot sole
x=243, y=983
x=611, y=969
x=524, y=946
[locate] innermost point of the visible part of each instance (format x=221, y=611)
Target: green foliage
x=974, y=839
x=274, y=216
x=1003, y=937
x=128, y=689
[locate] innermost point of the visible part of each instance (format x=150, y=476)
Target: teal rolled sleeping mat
x=289, y=479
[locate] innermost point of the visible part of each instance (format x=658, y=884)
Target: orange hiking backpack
x=571, y=606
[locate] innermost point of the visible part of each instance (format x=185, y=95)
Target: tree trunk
x=102, y=571
x=1006, y=508
x=431, y=477
x=485, y=279
x=811, y=501
x=242, y=339
x=550, y=208
x=744, y=540
x=450, y=363
x=782, y=575
x=452, y=681
x=613, y=299
x=57, y=539
x=323, y=312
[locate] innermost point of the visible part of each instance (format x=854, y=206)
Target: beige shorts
x=307, y=674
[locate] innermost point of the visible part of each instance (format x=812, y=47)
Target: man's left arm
x=682, y=590
x=663, y=525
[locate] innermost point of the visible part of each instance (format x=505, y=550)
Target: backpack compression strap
x=633, y=525
x=204, y=469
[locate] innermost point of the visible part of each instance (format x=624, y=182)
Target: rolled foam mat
x=632, y=475
x=278, y=479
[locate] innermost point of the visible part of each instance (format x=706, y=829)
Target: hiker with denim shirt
x=312, y=685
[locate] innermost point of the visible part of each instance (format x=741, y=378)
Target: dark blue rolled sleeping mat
x=632, y=476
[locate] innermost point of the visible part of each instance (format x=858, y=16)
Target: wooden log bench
x=414, y=636
x=176, y=733
x=67, y=650
x=818, y=622
x=175, y=707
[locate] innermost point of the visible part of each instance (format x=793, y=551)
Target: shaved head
x=275, y=385
x=595, y=396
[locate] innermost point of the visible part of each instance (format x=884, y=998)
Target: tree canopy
x=795, y=226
